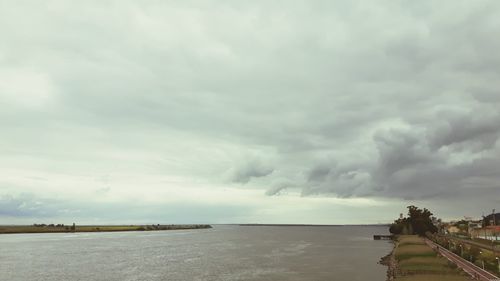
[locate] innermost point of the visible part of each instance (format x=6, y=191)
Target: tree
x=396, y=228
x=419, y=221
x=474, y=253
x=463, y=226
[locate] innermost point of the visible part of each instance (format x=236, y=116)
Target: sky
x=315, y=112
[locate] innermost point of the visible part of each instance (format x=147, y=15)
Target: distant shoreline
x=318, y=225
x=21, y=229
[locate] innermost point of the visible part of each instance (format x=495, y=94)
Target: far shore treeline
x=419, y=221
x=56, y=228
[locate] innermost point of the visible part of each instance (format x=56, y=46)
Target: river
x=225, y=252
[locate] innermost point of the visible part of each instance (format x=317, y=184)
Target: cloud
x=307, y=99
x=252, y=169
x=458, y=128
x=25, y=205
x=410, y=165
x=320, y=172
x=280, y=185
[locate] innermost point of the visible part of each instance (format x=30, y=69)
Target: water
x=225, y=252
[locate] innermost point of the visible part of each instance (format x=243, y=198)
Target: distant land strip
x=319, y=225
x=42, y=228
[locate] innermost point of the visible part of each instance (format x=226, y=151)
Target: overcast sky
x=248, y=111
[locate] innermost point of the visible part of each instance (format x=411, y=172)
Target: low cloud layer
x=105, y=101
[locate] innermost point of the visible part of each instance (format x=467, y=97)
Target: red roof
x=493, y=227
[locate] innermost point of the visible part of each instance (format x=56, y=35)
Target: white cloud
x=24, y=87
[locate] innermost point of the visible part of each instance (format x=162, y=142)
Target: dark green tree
x=418, y=221
x=421, y=221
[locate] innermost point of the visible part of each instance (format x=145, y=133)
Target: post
x=493, y=244
x=494, y=217
x=498, y=262
x=482, y=260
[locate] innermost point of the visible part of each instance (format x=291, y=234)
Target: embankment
x=413, y=260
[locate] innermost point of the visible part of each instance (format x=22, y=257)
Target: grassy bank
x=415, y=260
x=95, y=228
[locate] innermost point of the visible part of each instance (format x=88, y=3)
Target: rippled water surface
x=225, y=252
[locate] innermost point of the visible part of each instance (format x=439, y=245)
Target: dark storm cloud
x=320, y=172
x=393, y=99
x=410, y=166
x=453, y=128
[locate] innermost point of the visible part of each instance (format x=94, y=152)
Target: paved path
x=467, y=266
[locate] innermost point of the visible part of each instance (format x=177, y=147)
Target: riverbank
x=17, y=229
x=390, y=262
x=413, y=260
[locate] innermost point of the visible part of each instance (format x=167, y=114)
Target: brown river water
x=226, y=252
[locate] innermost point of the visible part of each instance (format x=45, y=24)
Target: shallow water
x=226, y=252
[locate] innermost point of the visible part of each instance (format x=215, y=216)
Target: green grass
x=107, y=228
x=417, y=261
x=30, y=229
x=425, y=264
x=411, y=240
x=433, y=277
x=486, y=243
x=408, y=251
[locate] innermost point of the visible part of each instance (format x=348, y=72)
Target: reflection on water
x=225, y=252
